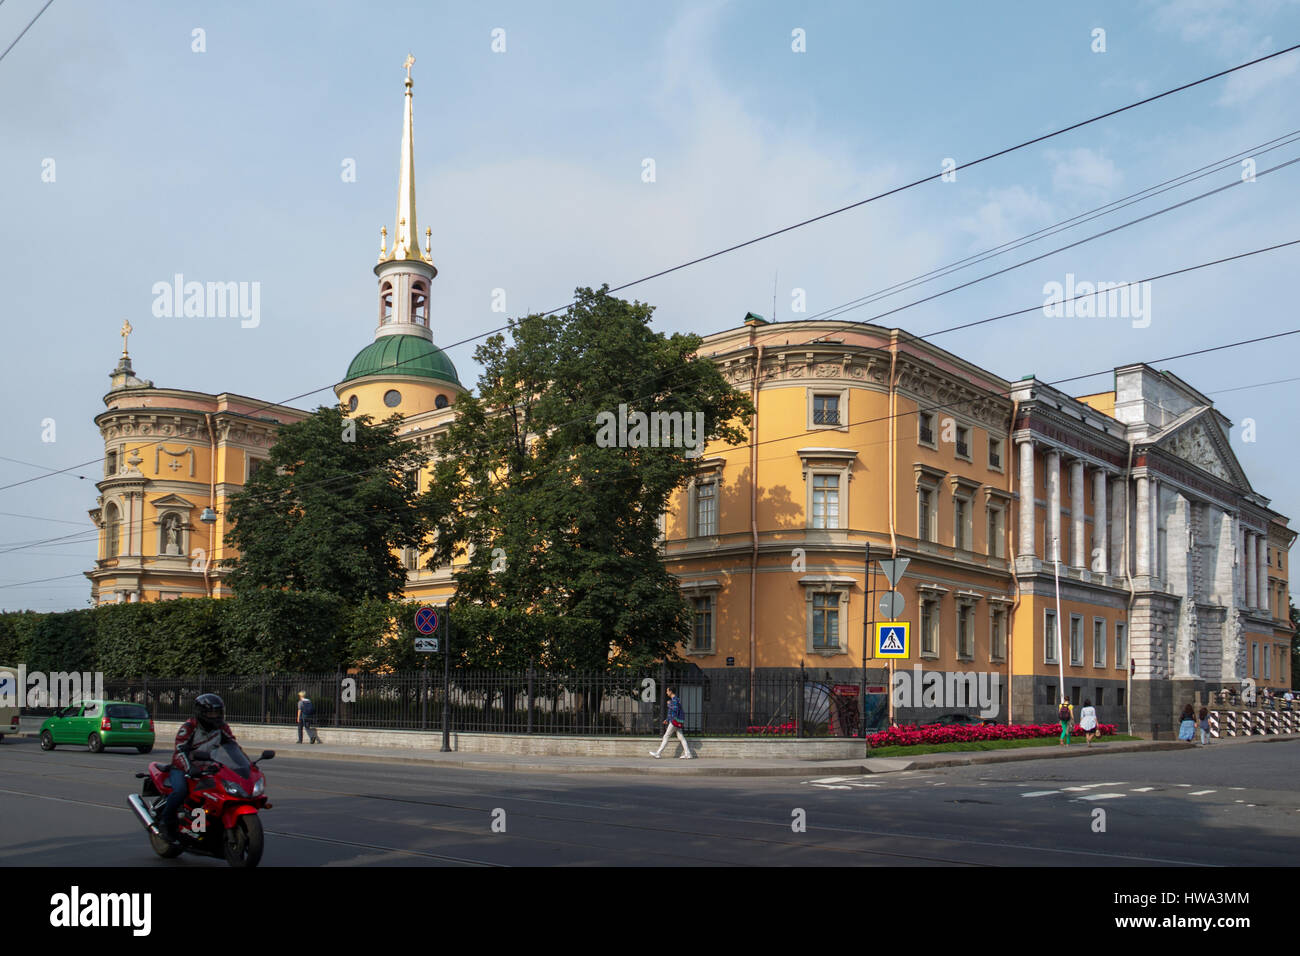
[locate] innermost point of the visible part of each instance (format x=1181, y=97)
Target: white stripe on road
x=831, y=786
x=830, y=779
x=1094, y=786
x=1142, y=789
x=1039, y=793
x=1102, y=796
x=1198, y=793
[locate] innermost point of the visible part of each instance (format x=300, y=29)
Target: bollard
x=1214, y=723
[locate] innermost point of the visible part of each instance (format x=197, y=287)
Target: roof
x=402, y=355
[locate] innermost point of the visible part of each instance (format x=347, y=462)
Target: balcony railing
x=826, y=416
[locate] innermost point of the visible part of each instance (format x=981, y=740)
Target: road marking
x=830, y=779
x=1102, y=796
x=1182, y=785
x=831, y=786
x=1039, y=793
x=1142, y=789
x=1198, y=793
x=1094, y=786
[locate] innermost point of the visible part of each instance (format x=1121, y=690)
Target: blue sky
x=225, y=165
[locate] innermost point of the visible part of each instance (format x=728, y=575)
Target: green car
x=98, y=724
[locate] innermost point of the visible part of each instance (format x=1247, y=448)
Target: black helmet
x=209, y=711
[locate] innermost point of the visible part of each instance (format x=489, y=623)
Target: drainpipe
x=212, y=498
x=1012, y=474
x=753, y=519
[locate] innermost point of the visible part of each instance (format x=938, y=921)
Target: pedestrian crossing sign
x=892, y=639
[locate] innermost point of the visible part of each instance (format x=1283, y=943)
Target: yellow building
x=1171, y=569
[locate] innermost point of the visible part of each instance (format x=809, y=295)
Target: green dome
x=402, y=355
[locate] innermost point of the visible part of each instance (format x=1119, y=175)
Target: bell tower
x=405, y=271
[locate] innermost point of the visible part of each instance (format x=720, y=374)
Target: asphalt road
x=1236, y=805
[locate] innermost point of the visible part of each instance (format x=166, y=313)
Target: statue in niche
x=172, y=535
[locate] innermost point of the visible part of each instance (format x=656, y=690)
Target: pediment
x=173, y=501
x=1198, y=441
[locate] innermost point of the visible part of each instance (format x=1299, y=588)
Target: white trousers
x=668, y=733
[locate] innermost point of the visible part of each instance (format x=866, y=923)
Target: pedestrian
x=305, y=722
x=674, y=724
x=1065, y=714
x=1187, y=724
x=1204, y=720
x=1088, y=720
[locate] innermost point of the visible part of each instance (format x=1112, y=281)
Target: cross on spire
x=126, y=330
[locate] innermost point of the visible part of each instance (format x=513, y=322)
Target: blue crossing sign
x=892, y=639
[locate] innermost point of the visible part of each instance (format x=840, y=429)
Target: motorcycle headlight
x=234, y=789
x=259, y=786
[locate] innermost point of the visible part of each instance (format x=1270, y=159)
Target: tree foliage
x=553, y=523
x=329, y=510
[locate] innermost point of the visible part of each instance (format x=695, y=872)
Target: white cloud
x=1083, y=171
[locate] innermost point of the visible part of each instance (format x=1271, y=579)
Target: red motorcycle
x=219, y=817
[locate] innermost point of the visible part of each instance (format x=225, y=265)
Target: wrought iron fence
x=539, y=702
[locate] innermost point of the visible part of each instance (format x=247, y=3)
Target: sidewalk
x=672, y=766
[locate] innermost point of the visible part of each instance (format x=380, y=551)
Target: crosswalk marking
x=1102, y=796
x=830, y=780
x=1198, y=793
x=1142, y=789
x=1039, y=793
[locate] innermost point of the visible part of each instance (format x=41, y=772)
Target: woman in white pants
x=674, y=724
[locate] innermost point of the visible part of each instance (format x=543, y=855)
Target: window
x=965, y=631
x=110, y=464
x=998, y=634
x=392, y=398
x=961, y=523
x=995, y=453
x=826, y=409
x=929, y=627
x=112, y=531
x=1100, y=696
x=420, y=302
x=1076, y=640
x=1051, y=694
x=352, y=403
x=440, y=401
x=1254, y=660
x=1098, y=642
x=825, y=501
x=997, y=532
x=925, y=431
x=1074, y=697
x=706, y=508
x=1121, y=644
x=926, y=519
x=826, y=620
x=254, y=464
x=386, y=303
x=963, y=442
x=1050, y=637
x=411, y=559
x=702, y=639
x=1268, y=662
x=412, y=481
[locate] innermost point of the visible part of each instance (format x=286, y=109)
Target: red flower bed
x=911, y=735
x=779, y=730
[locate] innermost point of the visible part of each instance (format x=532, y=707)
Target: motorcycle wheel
x=96, y=744
x=244, y=842
x=47, y=740
x=163, y=848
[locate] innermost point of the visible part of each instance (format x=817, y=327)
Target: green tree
x=1295, y=646
x=559, y=523
x=328, y=510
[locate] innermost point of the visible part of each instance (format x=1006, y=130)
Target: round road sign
x=426, y=620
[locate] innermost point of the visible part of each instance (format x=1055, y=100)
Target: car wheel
x=96, y=744
x=47, y=740
x=143, y=748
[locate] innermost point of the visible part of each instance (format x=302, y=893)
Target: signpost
x=891, y=608
x=446, y=686
x=426, y=622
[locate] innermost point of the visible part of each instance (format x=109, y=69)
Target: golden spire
x=406, y=242
x=126, y=330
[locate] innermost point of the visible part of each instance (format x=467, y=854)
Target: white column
x=1027, y=508
x=1156, y=569
x=1100, y=519
x=1252, y=574
x=1078, y=533
x=1118, y=507
x=1053, y=543
x=1261, y=562
x=1142, y=547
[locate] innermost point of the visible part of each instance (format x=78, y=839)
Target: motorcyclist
x=204, y=731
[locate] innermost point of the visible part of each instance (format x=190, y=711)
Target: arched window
x=385, y=303
x=420, y=302
x=112, y=531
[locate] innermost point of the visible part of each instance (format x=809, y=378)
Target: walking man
x=674, y=724
x=305, y=712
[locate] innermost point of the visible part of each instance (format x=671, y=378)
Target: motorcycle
x=219, y=817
